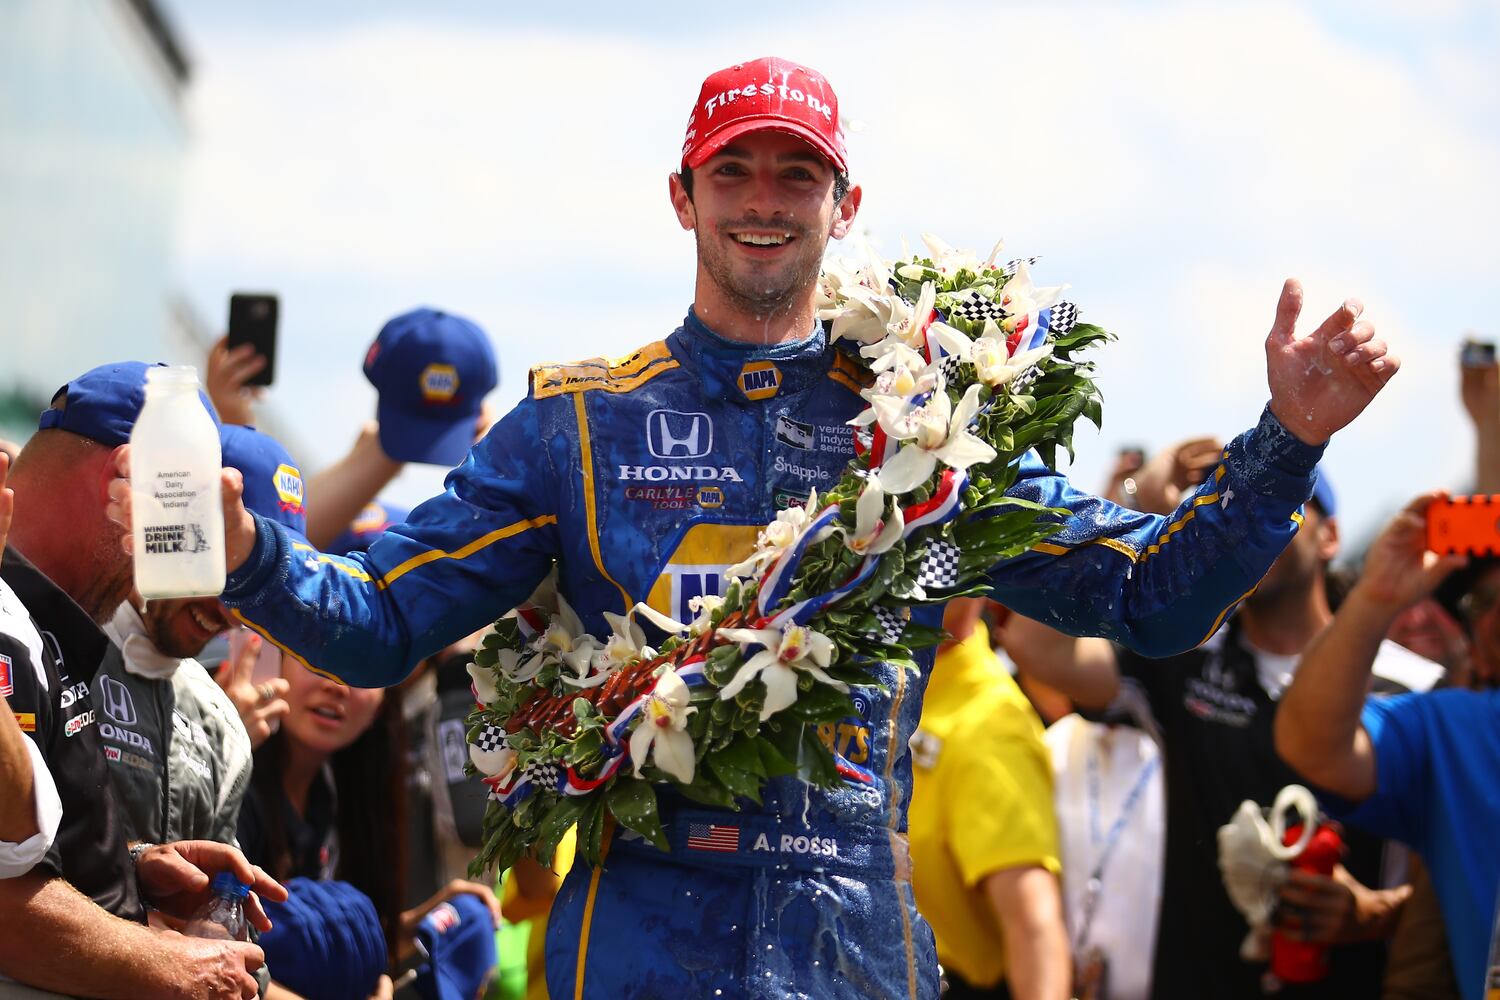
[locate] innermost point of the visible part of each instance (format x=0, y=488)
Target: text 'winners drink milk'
x=174, y=481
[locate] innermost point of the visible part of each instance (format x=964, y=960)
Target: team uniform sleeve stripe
x=586, y=457
x=343, y=565
x=260, y=631
x=482, y=542
x=1124, y=548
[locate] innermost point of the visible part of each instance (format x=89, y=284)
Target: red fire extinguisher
x=1295, y=961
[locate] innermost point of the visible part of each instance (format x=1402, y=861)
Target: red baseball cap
x=765, y=93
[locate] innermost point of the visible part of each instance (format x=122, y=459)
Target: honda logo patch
x=674, y=434
x=117, y=702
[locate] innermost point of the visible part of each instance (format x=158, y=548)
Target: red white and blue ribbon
x=777, y=581
x=616, y=749
x=943, y=506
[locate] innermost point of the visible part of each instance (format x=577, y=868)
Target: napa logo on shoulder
x=289, y=488
x=439, y=383
x=759, y=379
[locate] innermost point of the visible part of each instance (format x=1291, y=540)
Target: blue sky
x=1173, y=162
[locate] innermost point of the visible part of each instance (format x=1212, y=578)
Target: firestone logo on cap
x=288, y=482
x=767, y=93
x=439, y=383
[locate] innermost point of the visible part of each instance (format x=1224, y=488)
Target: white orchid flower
x=935, y=432
x=784, y=653
x=907, y=320
x=948, y=260
x=874, y=530
x=589, y=663
x=703, y=606
x=776, y=537
x=496, y=762
x=994, y=364
x=563, y=631
x=894, y=355
x=1022, y=300
x=662, y=729
x=519, y=668
x=485, y=690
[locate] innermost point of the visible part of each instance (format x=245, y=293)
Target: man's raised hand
x=1322, y=380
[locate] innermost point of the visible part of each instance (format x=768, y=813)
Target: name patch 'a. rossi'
x=696, y=567
x=786, y=843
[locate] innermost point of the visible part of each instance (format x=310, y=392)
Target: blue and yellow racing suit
x=642, y=479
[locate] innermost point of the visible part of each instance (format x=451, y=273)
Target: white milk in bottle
x=174, y=480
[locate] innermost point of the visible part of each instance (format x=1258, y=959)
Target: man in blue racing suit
x=643, y=478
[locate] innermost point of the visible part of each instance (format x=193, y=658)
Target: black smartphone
x=1477, y=354
x=252, y=320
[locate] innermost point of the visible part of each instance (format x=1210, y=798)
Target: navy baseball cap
x=375, y=520
x=458, y=938
x=1322, y=494
x=273, y=483
x=325, y=941
x=432, y=370
x=102, y=403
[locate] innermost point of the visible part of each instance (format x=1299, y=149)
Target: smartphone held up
x=1464, y=526
x=252, y=320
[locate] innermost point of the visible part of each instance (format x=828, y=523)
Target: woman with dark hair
x=327, y=801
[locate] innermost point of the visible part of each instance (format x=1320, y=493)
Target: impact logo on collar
x=439, y=383
x=288, y=482
x=759, y=380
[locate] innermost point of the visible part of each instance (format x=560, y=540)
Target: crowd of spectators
x=1067, y=793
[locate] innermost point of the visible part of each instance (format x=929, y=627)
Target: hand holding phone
x=1464, y=525
x=252, y=320
x=1477, y=354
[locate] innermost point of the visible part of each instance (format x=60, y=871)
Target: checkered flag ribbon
x=490, y=738
x=542, y=774
x=939, y=565
x=889, y=624
x=1064, y=317
x=976, y=309
x=1015, y=265
x=950, y=369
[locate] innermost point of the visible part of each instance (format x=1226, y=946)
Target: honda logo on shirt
x=117, y=703
x=673, y=434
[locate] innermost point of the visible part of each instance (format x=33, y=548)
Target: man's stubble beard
x=772, y=293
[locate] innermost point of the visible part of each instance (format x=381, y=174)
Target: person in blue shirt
x=1421, y=768
x=642, y=479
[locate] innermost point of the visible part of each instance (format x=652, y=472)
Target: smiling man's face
x=762, y=211
x=182, y=626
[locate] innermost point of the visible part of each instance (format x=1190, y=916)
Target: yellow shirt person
x=984, y=840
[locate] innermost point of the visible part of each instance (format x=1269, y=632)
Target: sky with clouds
x=1171, y=161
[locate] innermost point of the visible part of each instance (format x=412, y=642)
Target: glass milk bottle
x=175, y=499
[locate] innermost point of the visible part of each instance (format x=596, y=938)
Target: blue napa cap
x=432, y=370
x=102, y=403
x=325, y=941
x=1322, y=494
x=458, y=938
x=375, y=520
x=273, y=483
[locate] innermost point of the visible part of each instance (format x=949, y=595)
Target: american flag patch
x=714, y=837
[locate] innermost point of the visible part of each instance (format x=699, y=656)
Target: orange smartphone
x=1464, y=526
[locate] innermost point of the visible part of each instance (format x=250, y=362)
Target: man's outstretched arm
x=1318, y=730
x=1160, y=585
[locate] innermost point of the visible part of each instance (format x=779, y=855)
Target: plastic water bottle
x=222, y=917
x=175, y=499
